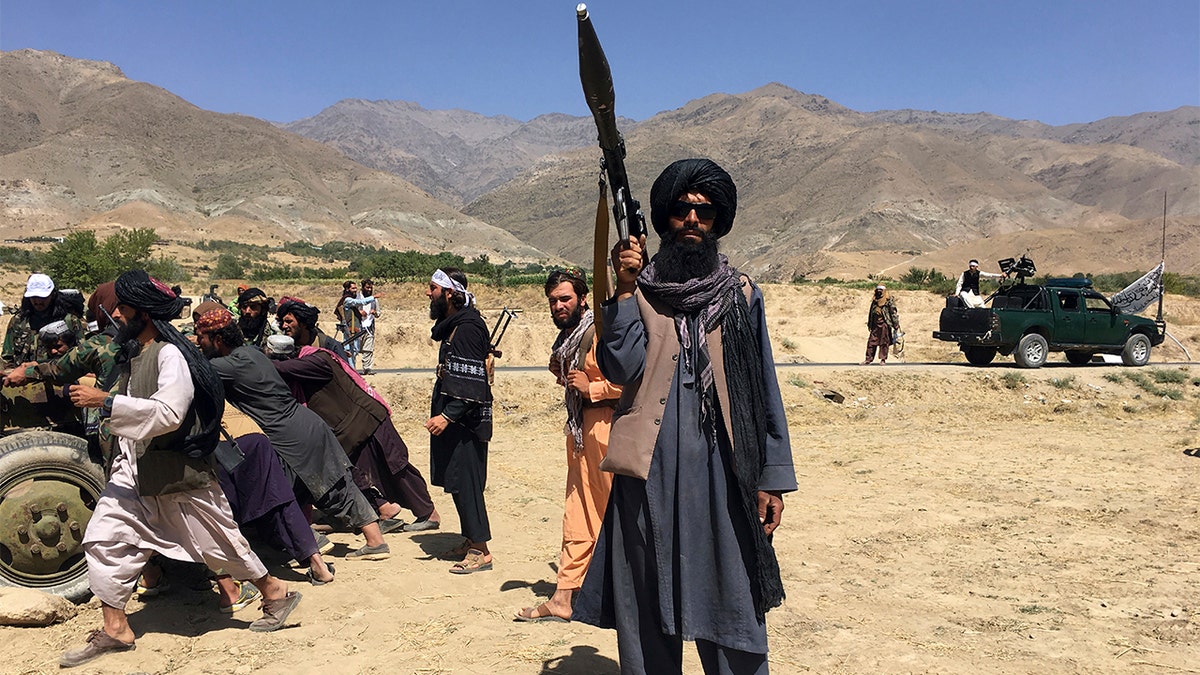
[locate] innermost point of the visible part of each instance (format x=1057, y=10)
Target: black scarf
x=138, y=290
x=701, y=305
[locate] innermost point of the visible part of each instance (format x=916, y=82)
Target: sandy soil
x=949, y=519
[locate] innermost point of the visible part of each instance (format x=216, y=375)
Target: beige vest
x=639, y=414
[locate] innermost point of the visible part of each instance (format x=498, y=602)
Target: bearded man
x=42, y=304
x=252, y=317
x=460, y=425
x=298, y=320
x=162, y=494
x=589, y=399
x=699, y=444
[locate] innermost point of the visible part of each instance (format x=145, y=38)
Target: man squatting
x=699, y=444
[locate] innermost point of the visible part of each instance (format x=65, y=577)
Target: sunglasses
x=681, y=209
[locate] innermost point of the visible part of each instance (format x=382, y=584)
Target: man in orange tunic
x=590, y=400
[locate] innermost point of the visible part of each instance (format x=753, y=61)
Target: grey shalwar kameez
x=671, y=561
x=310, y=452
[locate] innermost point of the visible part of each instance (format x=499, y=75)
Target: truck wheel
x=1079, y=358
x=48, y=489
x=1031, y=351
x=1137, y=350
x=980, y=356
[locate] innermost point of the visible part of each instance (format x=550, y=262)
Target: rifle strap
x=600, y=287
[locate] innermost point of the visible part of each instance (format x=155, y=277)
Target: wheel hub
x=42, y=521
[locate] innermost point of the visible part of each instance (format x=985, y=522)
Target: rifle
x=502, y=321
x=596, y=78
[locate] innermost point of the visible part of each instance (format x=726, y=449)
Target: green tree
x=229, y=266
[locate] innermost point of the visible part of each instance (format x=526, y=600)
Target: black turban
x=694, y=175
x=305, y=313
x=143, y=292
x=251, y=295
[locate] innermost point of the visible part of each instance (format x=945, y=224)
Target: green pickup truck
x=1030, y=321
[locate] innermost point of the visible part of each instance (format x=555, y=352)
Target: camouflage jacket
x=96, y=355
x=21, y=340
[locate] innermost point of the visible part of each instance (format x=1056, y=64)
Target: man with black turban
x=162, y=494
x=252, y=317
x=699, y=444
x=298, y=320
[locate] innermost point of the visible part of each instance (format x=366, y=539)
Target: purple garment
x=260, y=495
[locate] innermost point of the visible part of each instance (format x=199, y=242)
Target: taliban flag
x=1138, y=295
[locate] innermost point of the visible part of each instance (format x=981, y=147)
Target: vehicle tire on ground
x=1136, y=351
x=1079, y=358
x=979, y=356
x=41, y=547
x=1031, y=351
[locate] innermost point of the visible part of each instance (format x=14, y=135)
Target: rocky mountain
x=80, y=144
x=826, y=189
x=454, y=155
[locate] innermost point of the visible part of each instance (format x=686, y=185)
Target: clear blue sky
x=1055, y=61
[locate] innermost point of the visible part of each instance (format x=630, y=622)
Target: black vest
x=971, y=281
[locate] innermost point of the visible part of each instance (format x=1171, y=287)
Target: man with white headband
x=460, y=425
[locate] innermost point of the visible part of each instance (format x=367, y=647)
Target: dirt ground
x=949, y=519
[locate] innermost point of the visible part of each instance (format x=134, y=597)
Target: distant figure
x=883, y=321
x=349, y=321
x=967, y=287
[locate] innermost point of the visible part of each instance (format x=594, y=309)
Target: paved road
x=923, y=365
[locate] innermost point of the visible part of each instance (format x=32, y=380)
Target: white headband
x=442, y=279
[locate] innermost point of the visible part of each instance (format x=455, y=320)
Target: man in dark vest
x=362, y=422
x=699, y=444
x=967, y=287
x=162, y=494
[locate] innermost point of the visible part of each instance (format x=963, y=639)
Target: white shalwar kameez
x=126, y=528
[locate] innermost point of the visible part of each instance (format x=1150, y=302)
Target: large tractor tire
x=1031, y=351
x=979, y=356
x=49, y=487
x=1136, y=351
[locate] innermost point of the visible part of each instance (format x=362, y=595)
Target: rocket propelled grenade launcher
x=597, y=82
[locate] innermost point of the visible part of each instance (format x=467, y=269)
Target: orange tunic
x=587, y=485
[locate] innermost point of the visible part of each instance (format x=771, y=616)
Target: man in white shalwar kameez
x=162, y=494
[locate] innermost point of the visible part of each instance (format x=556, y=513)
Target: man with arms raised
x=589, y=399
x=699, y=444
x=162, y=495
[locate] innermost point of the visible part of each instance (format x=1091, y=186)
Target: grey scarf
x=564, y=359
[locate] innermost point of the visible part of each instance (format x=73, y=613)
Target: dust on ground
x=949, y=519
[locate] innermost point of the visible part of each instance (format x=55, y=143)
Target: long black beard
x=252, y=327
x=439, y=307
x=571, y=320
x=678, y=261
x=127, y=337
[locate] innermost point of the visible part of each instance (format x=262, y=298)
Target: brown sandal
x=474, y=562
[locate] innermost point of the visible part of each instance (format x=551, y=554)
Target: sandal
x=247, y=594
x=312, y=578
x=535, y=614
x=144, y=591
x=459, y=552
x=474, y=562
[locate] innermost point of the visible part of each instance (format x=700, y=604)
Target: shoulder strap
x=585, y=344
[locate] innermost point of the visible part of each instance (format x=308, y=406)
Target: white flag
x=1138, y=295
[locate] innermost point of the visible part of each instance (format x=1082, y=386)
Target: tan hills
x=83, y=145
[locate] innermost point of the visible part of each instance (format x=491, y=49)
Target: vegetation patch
x=1012, y=380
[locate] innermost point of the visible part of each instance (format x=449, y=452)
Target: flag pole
x=1159, y=319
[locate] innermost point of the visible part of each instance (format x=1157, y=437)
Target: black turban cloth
x=693, y=175
x=142, y=292
x=251, y=295
x=304, y=312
